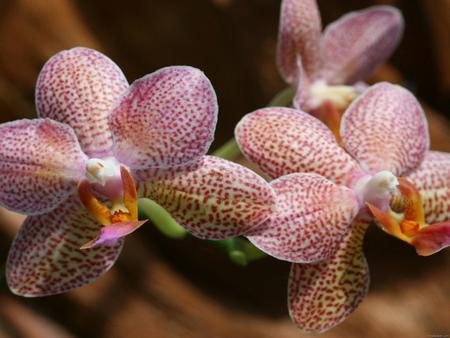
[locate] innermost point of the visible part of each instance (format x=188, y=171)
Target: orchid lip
x=405, y=219
x=123, y=210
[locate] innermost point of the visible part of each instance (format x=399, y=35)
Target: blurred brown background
x=167, y=288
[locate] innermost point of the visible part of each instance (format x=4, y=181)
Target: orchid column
x=100, y=144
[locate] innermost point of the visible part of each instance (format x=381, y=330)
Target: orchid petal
x=386, y=129
x=110, y=234
x=432, y=179
x=312, y=216
x=46, y=259
x=212, y=198
x=79, y=87
x=432, y=239
x=354, y=46
x=283, y=141
x=167, y=118
x=299, y=34
x=40, y=165
x=302, y=88
x=322, y=295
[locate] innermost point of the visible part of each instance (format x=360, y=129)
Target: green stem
x=163, y=221
x=228, y=151
x=283, y=98
x=239, y=250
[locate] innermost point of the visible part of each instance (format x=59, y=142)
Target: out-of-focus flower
x=321, y=218
x=327, y=68
x=71, y=170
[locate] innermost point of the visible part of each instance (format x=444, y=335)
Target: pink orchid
x=327, y=195
x=71, y=170
x=326, y=68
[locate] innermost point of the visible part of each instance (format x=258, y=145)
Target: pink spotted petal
x=111, y=234
x=46, y=259
x=40, y=165
x=167, y=118
x=385, y=129
x=298, y=35
x=322, y=295
x=432, y=179
x=301, y=99
x=312, y=216
x=432, y=239
x=213, y=198
x=283, y=141
x=357, y=44
x=79, y=87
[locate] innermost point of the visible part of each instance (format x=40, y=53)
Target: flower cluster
x=99, y=144
x=327, y=195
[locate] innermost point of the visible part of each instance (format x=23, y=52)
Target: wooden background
x=166, y=288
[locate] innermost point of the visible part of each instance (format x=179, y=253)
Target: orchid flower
x=327, y=68
x=97, y=146
x=327, y=195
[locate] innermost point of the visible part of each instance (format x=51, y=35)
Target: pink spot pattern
x=321, y=295
x=359, y=42
x=45, y=257
x=283, y=141
x=298, y=34
x=40, y=164
x=212, y=198
x=386, y=129
x=166, y=118
x=312, y=216
x=79, y=87
x=433, y=180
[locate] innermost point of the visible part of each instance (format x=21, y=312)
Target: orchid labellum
x=97, y=146
x=327, y=195
x=327, y=67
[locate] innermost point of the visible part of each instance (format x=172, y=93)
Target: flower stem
x=240, y=250
x=283, y=98
x=228, y=151
x=163, y=221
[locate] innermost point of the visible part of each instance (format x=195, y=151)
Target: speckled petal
x=302, y=89
x=283, y=141
x=167, y=118
x=213, y=198
x=298, y=34
x=46, y=259
x=354, y=46
x=386, y=129
x=432, y=179
x=312, y=216
x=40, y=165
x=322, y=295
x=80, y=87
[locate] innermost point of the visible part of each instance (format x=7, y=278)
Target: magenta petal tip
x=109, y=235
